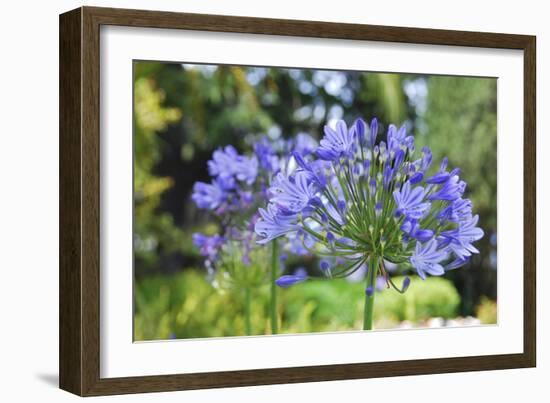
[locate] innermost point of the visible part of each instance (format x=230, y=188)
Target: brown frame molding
x=79, y=200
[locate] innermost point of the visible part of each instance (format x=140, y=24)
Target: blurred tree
x=460, y=122
x=150, y=118
x=210, y=108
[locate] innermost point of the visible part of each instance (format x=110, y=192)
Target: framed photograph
x=249, y=201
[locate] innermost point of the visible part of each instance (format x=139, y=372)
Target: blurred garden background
x=183, y=112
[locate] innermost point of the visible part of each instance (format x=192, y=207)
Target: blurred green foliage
x=185, y=305
x=459, y=121
x=486, y=311
x=434, y=297
x=153, y=228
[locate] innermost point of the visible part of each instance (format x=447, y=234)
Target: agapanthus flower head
x=228, y=163
x=239, y=186
x=376, y=202
x=241, y=264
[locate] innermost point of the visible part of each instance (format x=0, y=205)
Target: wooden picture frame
x=80, y=199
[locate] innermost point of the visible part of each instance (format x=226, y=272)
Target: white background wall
x=29, y=199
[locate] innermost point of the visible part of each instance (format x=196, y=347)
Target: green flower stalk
x=241, y=274
x=238, y=187
x=273, y=287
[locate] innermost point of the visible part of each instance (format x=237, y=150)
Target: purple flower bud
x=372, y=185
x=330, y=238
x=416, y=177
x=443, y=165
x=341, y=205
x=290, y=279
x=399, y=157
x=406, y=284
x=409, y=143
x=366, y=164
x=424, y=235
x=316, y=201
x=439, y=177
x=373, y=132
x=426, y=158
x=388, y=175
x=369, y=291
x=324, y=265
x=360, y=130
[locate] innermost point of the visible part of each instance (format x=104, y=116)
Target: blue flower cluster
x=362, y=200
x=239, y=185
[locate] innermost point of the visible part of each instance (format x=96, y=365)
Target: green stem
x=247, y=299
x=274, y=274
x=369, y=299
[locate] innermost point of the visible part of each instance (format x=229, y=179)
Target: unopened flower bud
x=324, y=265
x=406, y=284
